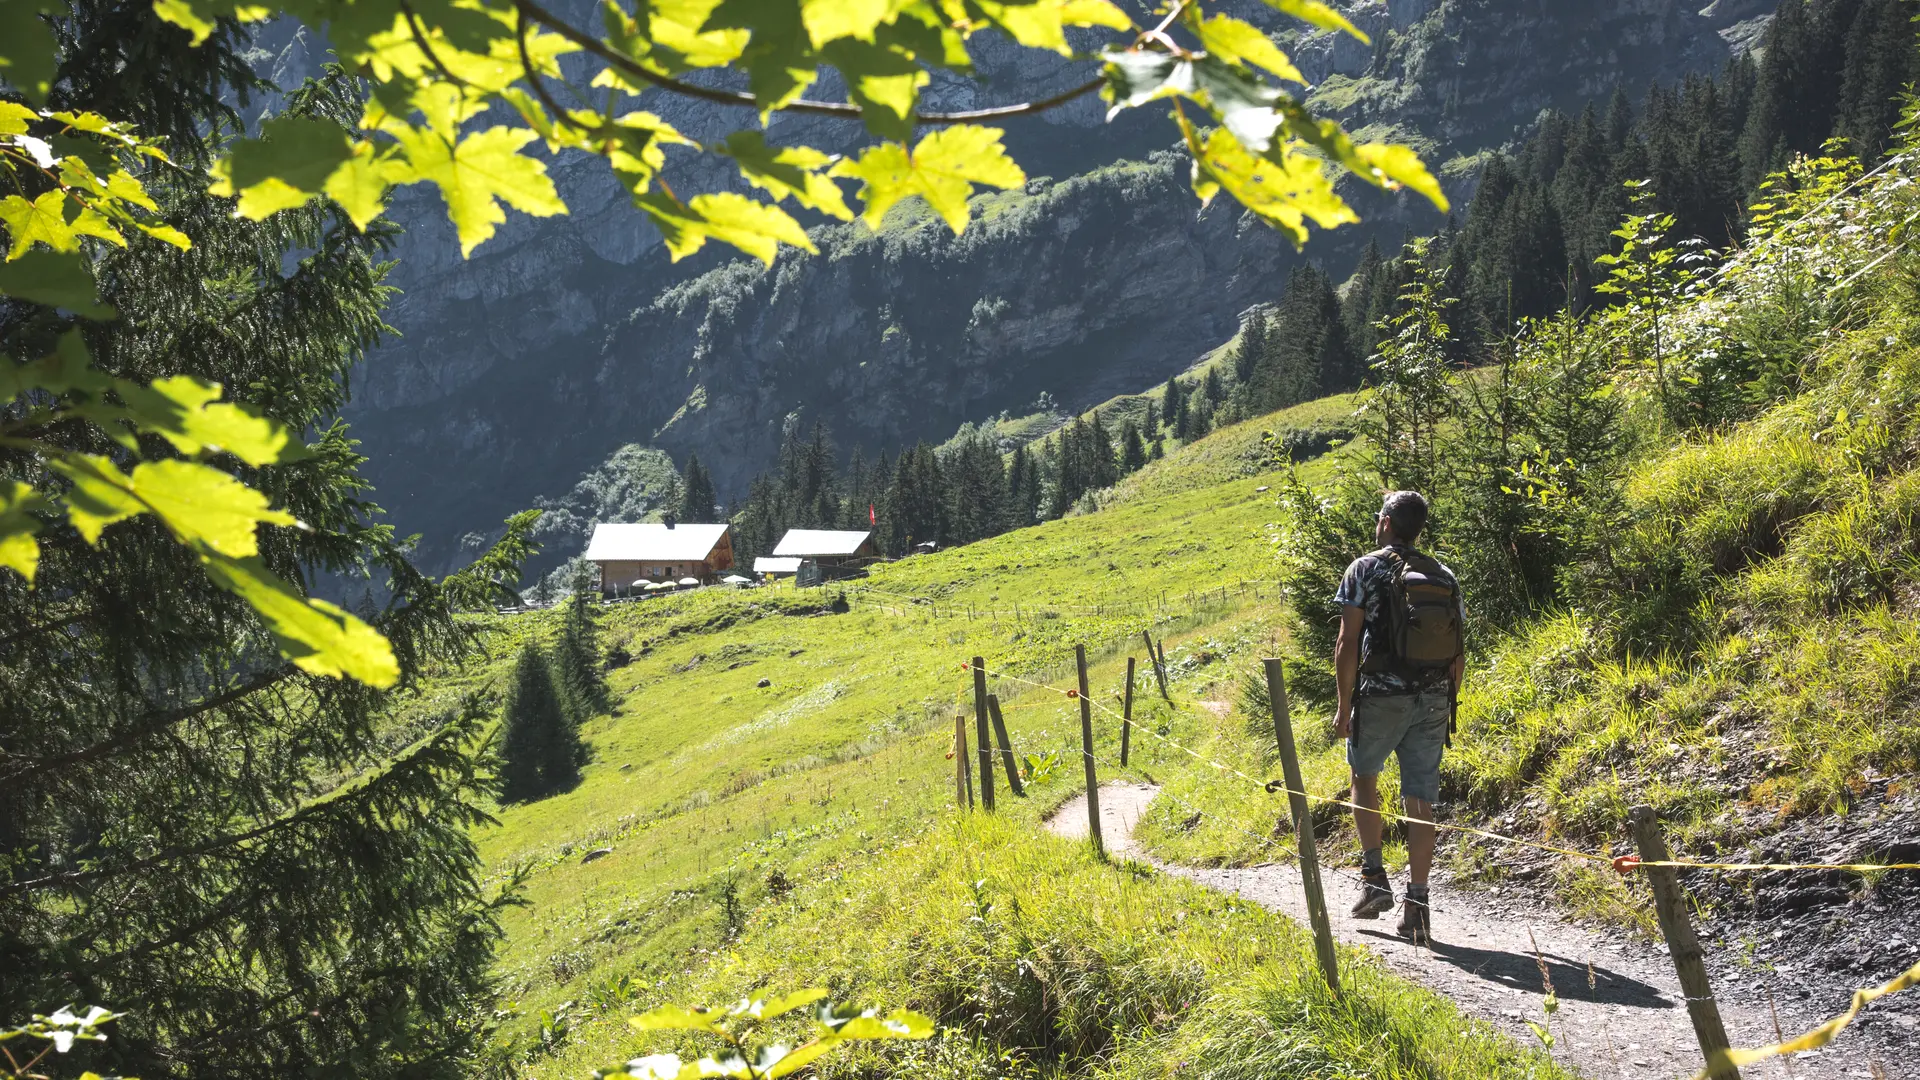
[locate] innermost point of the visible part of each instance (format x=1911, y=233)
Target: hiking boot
x=1376, y=896
x=1416, y=922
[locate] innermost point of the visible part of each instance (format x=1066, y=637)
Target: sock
x=1371, y=862
x=1416, y=892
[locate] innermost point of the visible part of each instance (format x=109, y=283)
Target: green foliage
x=540, y=747
x=196, y=810
x=436, y=68
x=834, y=1026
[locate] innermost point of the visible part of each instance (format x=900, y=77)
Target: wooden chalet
x=826, y=554
x=646, y=552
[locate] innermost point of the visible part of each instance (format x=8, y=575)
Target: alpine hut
x=628, y=554
x=827, y=554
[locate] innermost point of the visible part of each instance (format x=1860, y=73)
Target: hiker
x=1399, y=662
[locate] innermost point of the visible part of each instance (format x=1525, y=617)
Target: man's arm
x=1346, y=667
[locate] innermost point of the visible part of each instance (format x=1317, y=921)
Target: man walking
x=1399, y=662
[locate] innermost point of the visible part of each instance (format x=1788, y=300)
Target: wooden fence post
x=1006, y=748
x=1671, y=906
x=1302, y=825
x=1086, y=753
x=1159, y=667
x=962, y=782
x=1126, y=716
x=981, y=738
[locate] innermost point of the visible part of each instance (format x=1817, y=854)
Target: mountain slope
x=567, y=338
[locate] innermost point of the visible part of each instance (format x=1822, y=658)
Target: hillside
x=718, y=795
x=1724, y=640
x=567, y=338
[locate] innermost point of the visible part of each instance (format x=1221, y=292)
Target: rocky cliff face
x=566, y=338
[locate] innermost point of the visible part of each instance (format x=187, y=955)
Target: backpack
x=1422, y=633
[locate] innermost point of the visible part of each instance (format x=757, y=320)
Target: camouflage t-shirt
x=1365, y=585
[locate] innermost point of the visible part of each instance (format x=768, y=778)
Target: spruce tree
x=539, y=742
x=579, y=675
x=269, y=870
x=1133, y=451
x=697, y=496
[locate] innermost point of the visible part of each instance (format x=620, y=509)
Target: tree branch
x=628, y=65
x=153, y=723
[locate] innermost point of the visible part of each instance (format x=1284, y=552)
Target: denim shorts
x=1414, y=726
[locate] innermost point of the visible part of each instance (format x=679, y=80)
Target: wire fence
x=1719, y=1059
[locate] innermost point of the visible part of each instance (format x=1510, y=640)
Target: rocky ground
x=1788, y=946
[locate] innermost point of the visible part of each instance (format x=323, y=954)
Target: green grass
x=1035, y=959
x=800, y=831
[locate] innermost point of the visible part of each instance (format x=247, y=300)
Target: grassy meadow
x=774, y=772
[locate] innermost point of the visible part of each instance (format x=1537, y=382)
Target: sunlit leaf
x=19, y=551
x=14, y=117
x=884, y=82
x=101, y=493
x=188, y=412
x=826, y=20
x=477, y=173
x=42, y=221
x=199, y=17
x=755, y=228
x=1241, y=102
x=1286, y=187
x=790, y=171
x=166, y=234
x=1243, y=43
x=675, y=1018
x=942, y=169
x=898, y=1024
x=768, y=1008
x=1392, y=164
x=1135, y=78
x=1320, y=15
x=205, y=507
x=802, y=1056
x=90, y=222
x=317, y=636
x=679, y=27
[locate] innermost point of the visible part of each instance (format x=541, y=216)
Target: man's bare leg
x=1366, y=792
x=1376, y=894
x=1419, y=839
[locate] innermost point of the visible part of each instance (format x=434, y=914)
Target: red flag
x=871, y=520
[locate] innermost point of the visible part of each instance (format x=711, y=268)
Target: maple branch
x=629, y=66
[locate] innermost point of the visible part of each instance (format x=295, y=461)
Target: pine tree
x=539, y=744
x=697, y=498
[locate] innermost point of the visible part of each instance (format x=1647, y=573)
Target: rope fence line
x=1623, y=864
x=1722, y=1061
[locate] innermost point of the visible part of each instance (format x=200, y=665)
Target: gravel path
x=1629, y=1023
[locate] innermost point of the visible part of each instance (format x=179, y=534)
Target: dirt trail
x=1631, y=1023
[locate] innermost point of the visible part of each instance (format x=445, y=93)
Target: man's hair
x=1406, y=511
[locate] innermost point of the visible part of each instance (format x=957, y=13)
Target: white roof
x=653, y=542
x=766, y=564
x=810, y=542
